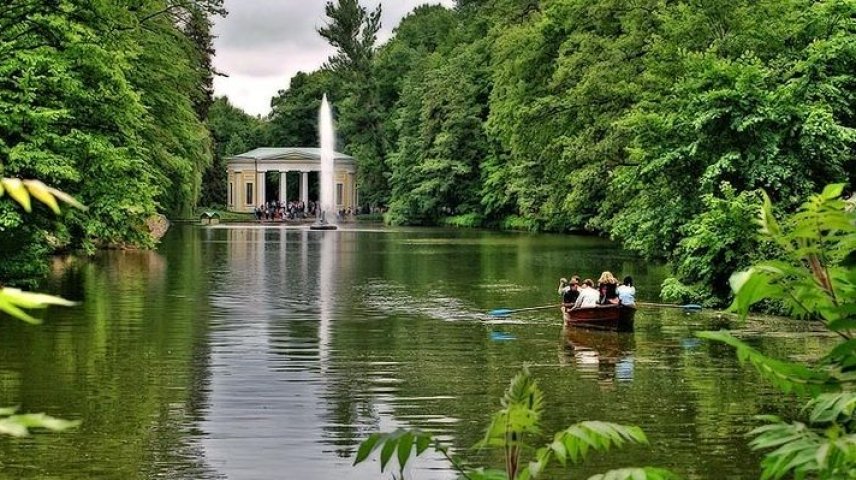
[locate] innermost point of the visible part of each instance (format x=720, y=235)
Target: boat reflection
x=600, y=355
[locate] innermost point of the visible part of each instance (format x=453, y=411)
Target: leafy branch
x=19, y=425
x=523, y=403
x=815, y=278
x=21, y=191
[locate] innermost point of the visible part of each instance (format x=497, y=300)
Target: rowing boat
x=605, y=317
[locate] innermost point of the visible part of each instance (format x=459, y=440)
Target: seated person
x=627, y=292
x=572, y=291
x=607, y=286
x=588, y=296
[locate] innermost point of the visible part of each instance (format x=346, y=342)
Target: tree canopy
x=106, y=103
x=654, y=123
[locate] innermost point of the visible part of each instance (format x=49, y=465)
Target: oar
x=499, y=312
x=690, y=306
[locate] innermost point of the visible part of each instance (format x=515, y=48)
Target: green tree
x=352, y=30
x=232, y=132
x=762, y=102
x=293, y=120
x=436, y=168
x=104, y=102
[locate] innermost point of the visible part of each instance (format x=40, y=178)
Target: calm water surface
x=269, y=353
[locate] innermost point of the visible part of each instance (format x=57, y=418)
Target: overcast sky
x=261, y=44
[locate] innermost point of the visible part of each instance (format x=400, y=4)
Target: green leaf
x=367, y=447
x=769, y=225
x=41, y=192
x=750, y=287
x=20, y=425
x=13, y=300
x=390, y=442
x=33, y=300
x=576, y=441
x=405, y=445
x=422, y=443
x=831, y=407
x=15, y=188
x=9, y=308
x=833, y=191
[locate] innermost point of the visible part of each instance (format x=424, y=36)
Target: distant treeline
x=653, y=122
x=107, y=101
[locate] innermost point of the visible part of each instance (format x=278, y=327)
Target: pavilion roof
x=287, y=153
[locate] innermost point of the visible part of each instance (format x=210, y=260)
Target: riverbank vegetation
x=109, y=104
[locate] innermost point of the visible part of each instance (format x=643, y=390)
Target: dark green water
x=250, y=353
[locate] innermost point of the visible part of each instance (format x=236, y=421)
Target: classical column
x=283, y=186
x=260, y=188
x=304, y=187
x=352, y=189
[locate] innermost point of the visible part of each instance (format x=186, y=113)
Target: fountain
x=327, y=202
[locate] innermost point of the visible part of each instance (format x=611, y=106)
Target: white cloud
x=261, y=44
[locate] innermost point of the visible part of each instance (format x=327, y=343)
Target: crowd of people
x=295, y=210
x=282, y=211
x=584, y=294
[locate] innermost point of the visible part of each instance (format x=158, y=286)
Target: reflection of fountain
x=326, y=272
x=327, y=135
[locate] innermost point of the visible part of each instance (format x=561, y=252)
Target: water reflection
x=597, y=354
x=261, y=353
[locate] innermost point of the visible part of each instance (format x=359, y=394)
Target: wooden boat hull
x=605, y=317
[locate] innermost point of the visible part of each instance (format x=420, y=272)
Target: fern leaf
x=832, y=407
x=576, y=441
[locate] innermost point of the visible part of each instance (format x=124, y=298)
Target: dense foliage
x=656, y=123
x=814, y=277
x=106, y=103
x=232, y=132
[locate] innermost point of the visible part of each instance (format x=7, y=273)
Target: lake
x=270, y=353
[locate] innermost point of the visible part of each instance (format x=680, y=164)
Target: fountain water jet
x=327, y=202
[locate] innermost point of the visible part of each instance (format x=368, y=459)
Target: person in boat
x=588, y=296
x=570, y=291
x=627, y=292
x=607, y=286
x=564, y=285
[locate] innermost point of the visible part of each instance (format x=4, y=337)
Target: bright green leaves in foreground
x=19, y=425
x=12, y=300
x=511, y=430
x=21, y=191
x=814, y=277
